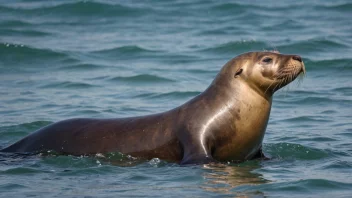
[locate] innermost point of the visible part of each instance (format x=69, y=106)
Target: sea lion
x=226, y=122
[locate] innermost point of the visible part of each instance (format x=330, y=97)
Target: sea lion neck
x=225, y=86
x=267, y=94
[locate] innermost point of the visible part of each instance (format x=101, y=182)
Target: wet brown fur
x=226, y=122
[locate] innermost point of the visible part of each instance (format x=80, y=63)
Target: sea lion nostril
x=297, y=58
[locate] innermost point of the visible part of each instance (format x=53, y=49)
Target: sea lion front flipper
x=260, y=155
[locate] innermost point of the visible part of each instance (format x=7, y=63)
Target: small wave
x=307, y=187
x=346, y=91
x=307, y=119
x=142, y=78
x=22, y=128
x=343, y=64
x=174, y=94
x=286, y=24
x=12, y=133
x=321, y=100
x=81, y=8
x=65, y=162
x=68, y=84
x=104, y=77
x=345, y=7
x=4, y=9
x=296, y=151
x=337, y=164
x=14, y=23
x=28, y=33
x=304, y=92
x=12, y=186
x=122, y=160
x=81, y=66
x=317, y=139
x=124, y=50
x=21, y=171
x=313, y=45
x=226, y=8
x=311, y=100
x=237, y=47
x=343, y=89
x=250, y=7
x=346, y=134
x=86, y=112
x=329, y=112
x=173, y=58
x=221, y=31
x=12, y=52
x=240, y=8
x=202, y=71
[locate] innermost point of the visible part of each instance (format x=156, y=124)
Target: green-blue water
x=104, y=59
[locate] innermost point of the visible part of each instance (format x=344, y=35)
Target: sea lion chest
x=242, y=137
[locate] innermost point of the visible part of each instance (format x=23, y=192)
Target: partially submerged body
x=226, y=122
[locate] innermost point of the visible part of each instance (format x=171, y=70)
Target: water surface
x=103, y=59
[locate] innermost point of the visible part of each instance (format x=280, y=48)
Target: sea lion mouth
x=291, y=70
x=288, y=74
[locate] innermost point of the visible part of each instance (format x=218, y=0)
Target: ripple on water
x=307, y=119
x=346, y=91
x=78, y=9
x=68, y=85
x=81, y=67
x=308, y=46
x=347, y=134
x=337, y=165
x=11, y=187
x=309, y=100
x=228, y=8
x=22, y=171
x=126, y=52
x=169, y=95
x=290, y=24
x=142, y=78
x=343, y=7
x=11, y=53
x=27, y=33
x=21, y=129
x=295, y=151
x=15, y=23
x=302, y=187
x=61, y=45
x=236, y=47
x=344, y=64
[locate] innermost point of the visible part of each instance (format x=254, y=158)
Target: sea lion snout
x=297, y=58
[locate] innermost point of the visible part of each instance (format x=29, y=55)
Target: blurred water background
x=104, y=59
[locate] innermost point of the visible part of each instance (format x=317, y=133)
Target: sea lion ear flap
x=238, y=72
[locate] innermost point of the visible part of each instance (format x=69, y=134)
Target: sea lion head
x=265, y=72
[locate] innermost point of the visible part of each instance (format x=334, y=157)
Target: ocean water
x=106, y=59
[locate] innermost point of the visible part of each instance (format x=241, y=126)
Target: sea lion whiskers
x=269, y=87
x=277, y=85
x=288, y=73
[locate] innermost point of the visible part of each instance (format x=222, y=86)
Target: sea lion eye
x=238, y=72
x=267, y=60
